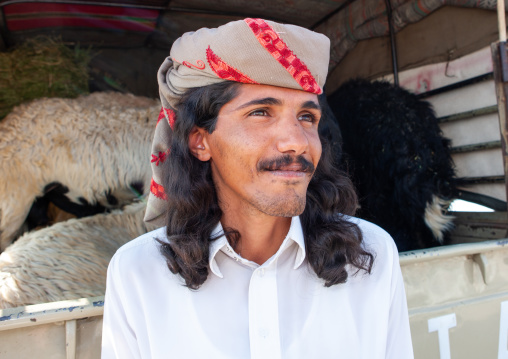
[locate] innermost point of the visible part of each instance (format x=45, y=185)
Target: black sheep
x=398, y=159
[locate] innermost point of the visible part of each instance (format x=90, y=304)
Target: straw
x=41, y=67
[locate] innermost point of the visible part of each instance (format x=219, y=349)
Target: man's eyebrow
x=260, y=101
x=311, y=104
x=274, y=101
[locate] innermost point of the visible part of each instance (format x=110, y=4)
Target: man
x=258, y=257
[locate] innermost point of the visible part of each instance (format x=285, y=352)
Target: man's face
x=264, y=149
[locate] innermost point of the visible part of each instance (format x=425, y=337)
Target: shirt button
x=261, y=272
x=263, y=333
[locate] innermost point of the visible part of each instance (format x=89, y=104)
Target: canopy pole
x=501, y=20
x=392, y=42
x=500, y=62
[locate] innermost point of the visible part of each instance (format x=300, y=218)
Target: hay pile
x=41, y=67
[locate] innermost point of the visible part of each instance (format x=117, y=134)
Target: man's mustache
x=282, y=162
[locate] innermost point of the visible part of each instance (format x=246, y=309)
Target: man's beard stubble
x=285, y=205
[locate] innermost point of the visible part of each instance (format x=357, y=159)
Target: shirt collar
x=215, y=247
x=295, y=234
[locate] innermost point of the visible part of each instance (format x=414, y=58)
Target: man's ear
x=198, y=145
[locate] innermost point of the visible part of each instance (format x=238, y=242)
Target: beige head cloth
x=253, y=51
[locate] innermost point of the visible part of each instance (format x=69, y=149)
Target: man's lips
x=292, y=167
x=289, y=173
x=291, y=170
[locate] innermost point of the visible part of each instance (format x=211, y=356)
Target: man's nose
x=291, y=137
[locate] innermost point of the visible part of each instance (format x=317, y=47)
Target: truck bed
x=457, y=298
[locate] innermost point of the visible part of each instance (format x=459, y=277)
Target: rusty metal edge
x=45, y=313
x=429, y=254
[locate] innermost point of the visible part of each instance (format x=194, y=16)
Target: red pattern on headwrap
x=160, y=158
x=271, y=41
x=170, y=115
x=161, y=115
x=158, y=190
x=224, y=70
x=200, y=65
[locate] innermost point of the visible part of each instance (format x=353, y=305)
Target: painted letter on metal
x=503, y=332
x=441, y=325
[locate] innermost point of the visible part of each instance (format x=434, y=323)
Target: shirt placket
x=264, y=314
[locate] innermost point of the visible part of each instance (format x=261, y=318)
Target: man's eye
x=258, y=113
x=307, y=117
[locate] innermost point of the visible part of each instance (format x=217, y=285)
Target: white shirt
x=280, y=309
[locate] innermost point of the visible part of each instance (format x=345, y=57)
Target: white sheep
x=67, y=260
x=96, y=146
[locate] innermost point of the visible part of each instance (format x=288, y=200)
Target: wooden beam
x=456, y=85
x=476, y=147
x=467, y=181
x=469, y=114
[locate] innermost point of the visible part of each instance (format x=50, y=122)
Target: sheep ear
x=198, y=145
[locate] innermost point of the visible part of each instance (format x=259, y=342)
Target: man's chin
x=284, y=207
x=287, y=213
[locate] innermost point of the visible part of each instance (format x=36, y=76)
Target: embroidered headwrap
x=252, y=51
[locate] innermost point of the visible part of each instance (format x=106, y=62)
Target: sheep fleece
x=92, y=144
x=68, y=260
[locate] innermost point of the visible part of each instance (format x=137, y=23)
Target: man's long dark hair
x=331, y=241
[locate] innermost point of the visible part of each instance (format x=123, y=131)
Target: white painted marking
x=441, y=325
x=503, y=332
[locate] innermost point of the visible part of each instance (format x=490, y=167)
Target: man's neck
x=261, y=234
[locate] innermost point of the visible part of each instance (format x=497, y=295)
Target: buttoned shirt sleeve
x=118, y=336
x=398, y=344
